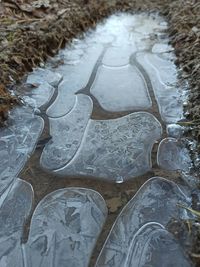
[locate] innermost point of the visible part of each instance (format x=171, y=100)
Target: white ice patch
x=65, y=227
x=121, y=89
x=138, y=237
x=115, y=150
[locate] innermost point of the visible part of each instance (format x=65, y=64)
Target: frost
x=133, y=241
x=65, y=227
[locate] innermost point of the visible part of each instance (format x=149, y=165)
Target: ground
x=32, y=31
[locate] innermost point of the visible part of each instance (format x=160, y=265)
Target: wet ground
x=101, y=115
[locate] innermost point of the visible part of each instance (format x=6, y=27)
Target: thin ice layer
x=116, y=149
x=67, y=133
x=156, y=201
x=76, y=77
x=120, y=89
x=14, y=211
x=39, y=96
x=173, y=155
x=118, y=56
x=154, y=246
x=64, y=228
x=39, y=76
x=17, y=142
x=162, y=73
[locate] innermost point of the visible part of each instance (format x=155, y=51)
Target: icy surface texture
x=162, y=74
x=39, y=95
x=76, y=77
x=64, y=228
x=175, y=130
x=154, y=246
x=173, y=155
x=116, y=149
x=161, y=48
x=17, y=142
x=118, y=56
x=14, y=211
x=67, y=132
x=155, y=202
x=39, y=76
x=119, y=89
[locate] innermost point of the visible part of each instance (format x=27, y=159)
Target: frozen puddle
x=17, y=143
x=64, y=228
x=139, y=236
x=15, y=207
x=173, y=155
x=126, y=91
x=113, y=149
x=124, y=67
x=113, y=97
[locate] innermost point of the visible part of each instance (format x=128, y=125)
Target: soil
x=31, y=31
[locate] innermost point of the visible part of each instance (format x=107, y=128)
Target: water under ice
x=67, y=133
x=116, y=149
x=120, y=89
x=17, y=143
x=173, y=155
x=130, y=228
x=64, y=228
x=14, y=211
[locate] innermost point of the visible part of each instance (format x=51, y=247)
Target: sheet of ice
x=67, y=133
x=162, y=73
x=173, y=155
x=116, y=150
x=13, y=213
x=162, y=48
x=154, y=246
x=175, y=130
x=64, y=228
x=118, y=56
x=39, y=96
x=39, y=76
x=121, y=89
x=156, y=202
x=76, y=77
x=17, y=142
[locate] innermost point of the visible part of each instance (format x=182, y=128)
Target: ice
x=115, y=150
x=118, y=56
x=162, y=74
x=161, y=48
x=175, y=130
x=132, y=238
x=154, y=246
x=75, y=78
x=13, y=213
x=120, y=89
x=173, y=155
x=64, y=228
x=67, y=133
x=39, y=95
x=39, y=76
x=17, y=142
